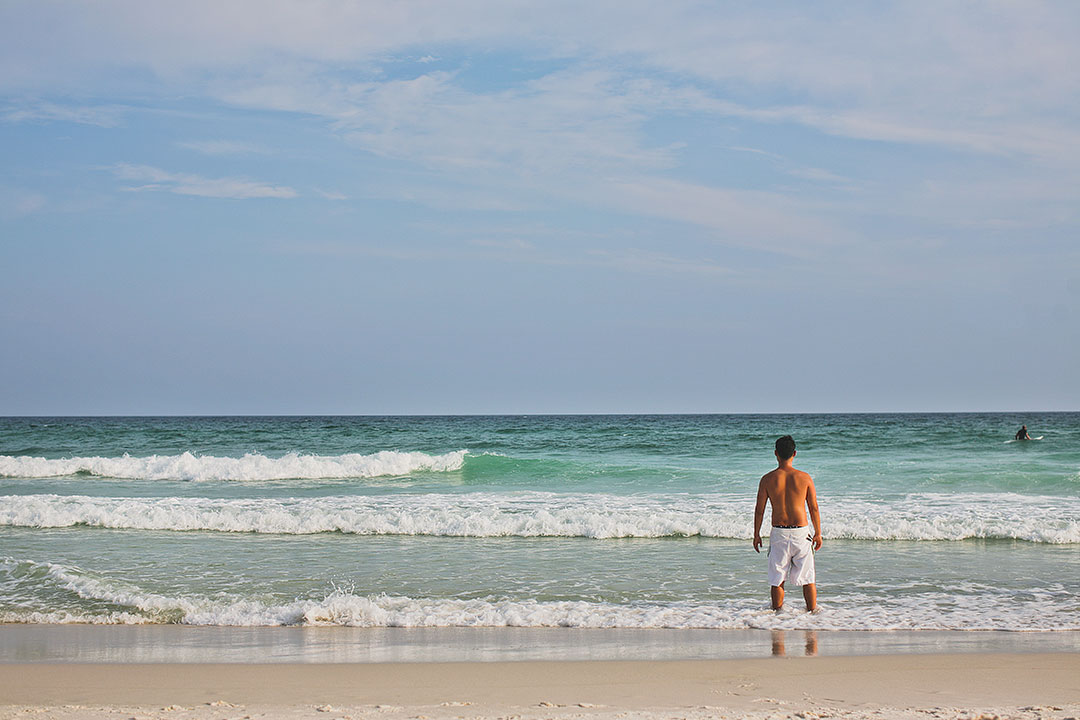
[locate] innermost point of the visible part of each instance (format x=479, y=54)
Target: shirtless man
x=791, y=492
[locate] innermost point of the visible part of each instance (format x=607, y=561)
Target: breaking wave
x=925, y=516
x=103, y=601
x=252, y=466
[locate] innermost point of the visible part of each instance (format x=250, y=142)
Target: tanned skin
x=790, y=492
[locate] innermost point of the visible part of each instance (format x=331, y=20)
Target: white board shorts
x=791, y=556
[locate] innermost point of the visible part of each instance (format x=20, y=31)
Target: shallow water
x=932, y=522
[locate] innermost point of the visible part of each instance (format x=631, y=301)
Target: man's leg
x=777, y=596
x=809, y=593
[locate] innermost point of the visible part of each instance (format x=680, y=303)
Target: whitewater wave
x=110, y=602
x=925, y=516
x=253, y=466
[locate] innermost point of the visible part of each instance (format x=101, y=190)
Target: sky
x=401, y=207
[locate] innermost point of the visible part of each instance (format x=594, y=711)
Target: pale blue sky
x=472, y=207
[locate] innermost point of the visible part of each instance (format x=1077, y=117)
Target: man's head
x=785, y=447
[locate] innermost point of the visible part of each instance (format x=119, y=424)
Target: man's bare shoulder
x=771, y=476
x=800, y=477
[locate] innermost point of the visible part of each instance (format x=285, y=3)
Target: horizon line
x=536, y=414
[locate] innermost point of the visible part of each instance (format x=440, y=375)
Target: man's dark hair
x=785, y=447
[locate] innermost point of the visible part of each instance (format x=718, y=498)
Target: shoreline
x=186, y=644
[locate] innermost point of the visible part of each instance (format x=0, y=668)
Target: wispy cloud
x=571, y=136
x=755, y=151
x=998, y=64
x=455, y=196
x=519, y=251
x=819, y=175
x=767, y=220
x=331, y=194
x=189, y=184
x=645, y=261
x=101, y=116
x=503, y=243
x=223, y=147
x=978, y=80
x=813, y=174
x=330, y=249
x=564, y=120
x=16, y=203
x=1044, y=140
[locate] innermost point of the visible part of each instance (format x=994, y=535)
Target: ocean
x=931, y=522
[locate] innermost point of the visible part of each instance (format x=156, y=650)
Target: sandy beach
x=1043, y=685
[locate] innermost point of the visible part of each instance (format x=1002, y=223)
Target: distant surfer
x=1022, y=433
x=791, y=544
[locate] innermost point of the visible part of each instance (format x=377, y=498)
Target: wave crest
x=252, y=466
x=539, y=514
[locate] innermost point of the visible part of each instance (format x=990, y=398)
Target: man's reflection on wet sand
x=811, y=643
x=778, y=643
x=779, y=648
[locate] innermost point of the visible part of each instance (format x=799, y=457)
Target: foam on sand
x=98, y=599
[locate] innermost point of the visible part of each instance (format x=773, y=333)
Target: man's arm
x=759, y=513
x=815, y=516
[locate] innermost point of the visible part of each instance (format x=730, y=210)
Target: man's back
x=788, y=490
x=791, y=493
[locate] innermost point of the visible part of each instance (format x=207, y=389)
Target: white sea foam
x=252, y=466
x=925, y=611
x=925, y=516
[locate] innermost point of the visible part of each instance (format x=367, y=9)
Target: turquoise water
x=930, y=521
